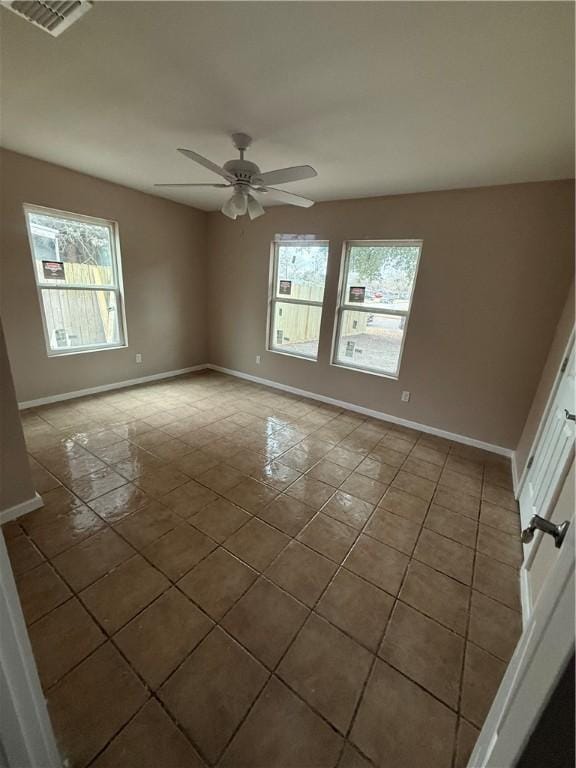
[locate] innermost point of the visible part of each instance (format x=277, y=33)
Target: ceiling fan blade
x=254, y=208
x=284, y=175
x=218, y=186
x=206, y=163
x=285, y=197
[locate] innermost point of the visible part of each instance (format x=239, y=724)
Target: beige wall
x=495, y=269
x=15, y=480
x=553, y=361
x=163, y=247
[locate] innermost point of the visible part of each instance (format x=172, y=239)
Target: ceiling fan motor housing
x=244, y=171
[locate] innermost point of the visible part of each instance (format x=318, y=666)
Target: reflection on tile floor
x=226, y=575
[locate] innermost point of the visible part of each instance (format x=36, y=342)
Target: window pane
x=370, y=340
x=296, y=329
x=301, y=271
x=76, y=318
x=70, y=252
x=381, y=276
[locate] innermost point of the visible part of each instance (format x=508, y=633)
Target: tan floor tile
x=147, y=524
x=189, y=499
x=115, y=505
x=431, y=455
x=378, y=563
x=445, y=555
x=364, y=488
x=220, y=519
x=301, y=572
x=282, y=730
x=436, y=595
x=404, y=504
x=220, y=478
x=256, y=543
x=465, y=743
x=133, y=468
x=460, y=483
x=121, y=594
x=397, y=443
x=120, y=451
x=351, y=758
x=499, y=545
x=88, y=561
x=329, y=537
x=344, y=458
x=497, y=580
x=299, y=459
x=393, y=530
x=92, y=703
x=455, y=501
x=499, y=496
x=23, y=554
x=482, y=675
x=328, y=472
x=218, y=582
x=327, y=669
x=55, y=501
x=159, y=638
x=12, y=530
x=62, y=639
x=422, y=468
x=348, y=509
x=414, y=484
x=96, y=484
x=179, y=550
x=358, y=608
x=265, y=621
x=251, y=495
x=452, y=525
x=424, y=651
x=65, y=530
x=212, y=691
x=40, y=590
x=159, y=482
x=287, y=514
x=312, y=492
x=377, y=470
x=494, y=626
x=399, y=724
x=150, y=740
x=500, y=517
x=276, y=475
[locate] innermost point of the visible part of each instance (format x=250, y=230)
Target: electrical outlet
x=138, y=357
x=405, y=397
x=257, y=359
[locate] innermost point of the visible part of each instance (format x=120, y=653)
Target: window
x=296, y=296
x=77, y=272
x=375, y=297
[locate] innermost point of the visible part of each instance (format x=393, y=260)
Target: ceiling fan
x=248, y=182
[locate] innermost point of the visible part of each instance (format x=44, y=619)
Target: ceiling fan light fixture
x=239, y=203
x=229, y=209
x=254, y=208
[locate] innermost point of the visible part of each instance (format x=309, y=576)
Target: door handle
x=558, y=532
x=570, y=416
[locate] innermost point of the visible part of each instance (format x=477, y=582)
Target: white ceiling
x=380, y=97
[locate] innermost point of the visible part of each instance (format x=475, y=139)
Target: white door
x=544, y=649
x=552, y=453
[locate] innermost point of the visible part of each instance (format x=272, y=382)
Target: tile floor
x=226, y=575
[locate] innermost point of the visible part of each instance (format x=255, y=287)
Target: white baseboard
x=368, y=412
x=515, y=478
x=106, y=387
x=11, y=513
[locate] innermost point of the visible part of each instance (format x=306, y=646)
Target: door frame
x=545, y=647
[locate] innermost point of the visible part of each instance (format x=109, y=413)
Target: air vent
x=52, y=17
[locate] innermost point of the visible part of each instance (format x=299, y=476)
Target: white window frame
x=116, y=287
x=273, y=299
x=343, y=304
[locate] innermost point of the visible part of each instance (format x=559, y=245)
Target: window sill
x=85, y=350
x=356, y=369
x=291, y=354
